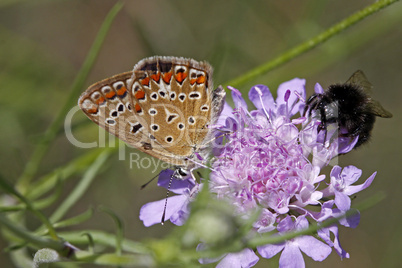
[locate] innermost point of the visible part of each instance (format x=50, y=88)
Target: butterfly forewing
x=174, y=96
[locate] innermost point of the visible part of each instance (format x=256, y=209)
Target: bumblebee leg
x=310, y=104
x=323, y=124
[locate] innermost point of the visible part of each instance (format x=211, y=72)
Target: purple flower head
x=271, y=162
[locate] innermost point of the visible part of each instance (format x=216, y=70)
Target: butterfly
x=163, y=107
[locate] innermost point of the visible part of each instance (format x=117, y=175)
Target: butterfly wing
x=163, y=107
x=108, y=103
x=176, y=99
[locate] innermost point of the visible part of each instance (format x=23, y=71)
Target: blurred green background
x=43, y=45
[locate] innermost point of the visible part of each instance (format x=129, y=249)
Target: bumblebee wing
x=359, y=79
x=378, y=110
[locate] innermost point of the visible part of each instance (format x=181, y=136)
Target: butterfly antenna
x=166, y=199
x=146, y=184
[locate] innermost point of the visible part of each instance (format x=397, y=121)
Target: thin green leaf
x=10, y=189
x=103, y=238
x=114, y=259
x=82, y=186
x=75, y=220
x=24, y=234
x=38, y=204
x=119, y=225
x=80, y=189
x=91, y=244
x=76, y=166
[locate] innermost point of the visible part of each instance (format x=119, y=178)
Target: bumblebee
x=348, y=105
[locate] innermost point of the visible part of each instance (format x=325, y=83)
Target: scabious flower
x=271, y=162
x=177, y=209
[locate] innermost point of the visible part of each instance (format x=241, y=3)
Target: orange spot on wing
x=201, y=79
x=100, y=101
x=166, y=77
x=156, y=77
x=192, y=81
x=145, y=81
x=180, y=77
x=139, y=94
x=137, y=108
x=110, y=94
x=92, y=110
x=121, y=91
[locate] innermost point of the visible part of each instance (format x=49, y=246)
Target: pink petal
x=238, y=100
x=342, y=201
x=243, y=259
x=297, y=87
x=291, y=257
x=261, y=93
x=270, y=250
x=318, y=89
x=151, y=213
x=314, y=248
x=357, y=188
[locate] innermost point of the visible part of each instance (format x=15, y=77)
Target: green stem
x=310, y=44
x=10, y=189
x=25, y=235
x=83, y=185
x=75, y=166
x=41, y=148
x=102, y=238
x=119, y=227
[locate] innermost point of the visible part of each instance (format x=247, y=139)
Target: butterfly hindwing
x=108, y=103
x=163, y=107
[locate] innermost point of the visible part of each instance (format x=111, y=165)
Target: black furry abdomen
x=347, y=106
x=354, y=114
